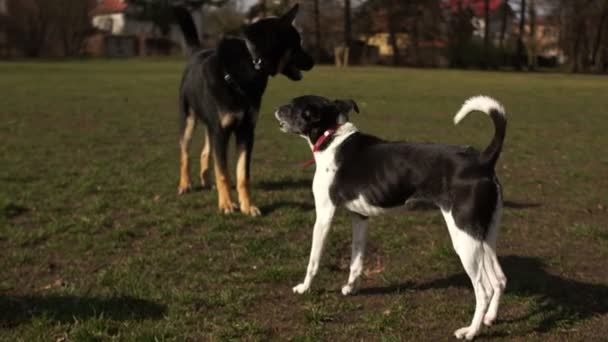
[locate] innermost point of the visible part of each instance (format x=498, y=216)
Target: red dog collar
x=328, y=133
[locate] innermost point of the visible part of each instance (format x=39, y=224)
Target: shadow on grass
x=12, y=210
x=422, y=205
x=559, y=301
x=268, y=209
x=17, y=310
x=284, y=184
x=520, y=205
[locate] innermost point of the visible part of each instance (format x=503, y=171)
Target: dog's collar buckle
x=320, y=141
x=256, y=60
x=257, y=63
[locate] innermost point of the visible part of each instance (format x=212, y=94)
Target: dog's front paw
x=251, y=210
x=205, y=182
x=227, y=207
x=183, y=188
x=466, y=332
x=348, y=290
x=300, y=289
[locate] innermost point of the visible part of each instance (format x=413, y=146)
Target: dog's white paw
x=466, y=333
x=489, y=319
x=301, y=288
x=348, y=290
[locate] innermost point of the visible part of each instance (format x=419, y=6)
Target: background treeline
x=517, y=34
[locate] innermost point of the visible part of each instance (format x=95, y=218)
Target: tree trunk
x=347, y=25
x=486, y=34
x=503, y=30
x=318, y=48
x=578, y=34
x=532, y=46
x=598, y=37
x=415, y=38
x=520, y=39
x=392, y=34
x=578, y=53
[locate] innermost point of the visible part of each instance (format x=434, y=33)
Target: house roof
x=476, y=5
x=109, y=7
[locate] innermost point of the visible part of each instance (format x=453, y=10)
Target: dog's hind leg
x=492, y=266
x=471, y=253
x=325, y=212
x=360, y=224
x=187, y=127
x=498, y=281
x=204, y=172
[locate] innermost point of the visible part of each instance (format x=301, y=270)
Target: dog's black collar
x=257, y=63
x=232, y=83
x=256, y=60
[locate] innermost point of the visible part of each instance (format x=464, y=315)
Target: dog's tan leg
x=242, y=185
x=222, y=182
x=222, y=178
x=184, y=144
x=204, y=173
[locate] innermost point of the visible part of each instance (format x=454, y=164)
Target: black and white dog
x=223, y=88
x=369, y=176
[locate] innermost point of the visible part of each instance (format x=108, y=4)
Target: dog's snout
x=283, y=110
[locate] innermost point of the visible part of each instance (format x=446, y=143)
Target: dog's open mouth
x=292, y=72
x=283, y=126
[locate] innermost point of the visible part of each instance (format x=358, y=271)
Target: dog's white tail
x=480, y=103
x=495, y=111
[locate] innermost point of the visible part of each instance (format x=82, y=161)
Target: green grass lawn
x=95, y=244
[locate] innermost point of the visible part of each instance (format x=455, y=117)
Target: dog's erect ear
x=344, y=108
x=290, y=16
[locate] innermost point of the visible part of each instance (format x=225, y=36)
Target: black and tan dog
x=370, y=176
x=223, y=88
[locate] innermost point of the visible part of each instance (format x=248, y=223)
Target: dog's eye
x=306, y=114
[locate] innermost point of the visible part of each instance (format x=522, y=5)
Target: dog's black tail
x=186, y=24
x=497, y=112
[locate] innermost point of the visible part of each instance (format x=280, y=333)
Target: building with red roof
x=477, y=6
x=109, y=7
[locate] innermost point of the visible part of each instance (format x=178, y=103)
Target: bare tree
x=532, y=39
x=347, y=24
x=520, y=39
x=505, y=13
x=318, y=44
x=74, y=24
x=29, y=25
x=50, y=28
x=460, y=33
x=595, y=62
x=576, y=12
x=486, y=34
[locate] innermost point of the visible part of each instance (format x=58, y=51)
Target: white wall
x=114, y=23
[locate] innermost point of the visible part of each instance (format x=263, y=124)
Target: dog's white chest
x=324, y=174
x=361, y=206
